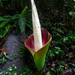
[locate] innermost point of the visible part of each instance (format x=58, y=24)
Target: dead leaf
x=3, y=50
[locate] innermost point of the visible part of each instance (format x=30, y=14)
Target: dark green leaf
x=1, y=4
x=3, y=23
x=4, y=31
x=22, y=24
x=62, y=70
x=48, y=73
x=59, y=30
x=2, y=18
x=24, y=10
x=58, y=48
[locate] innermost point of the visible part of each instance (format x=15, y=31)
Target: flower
x=39, y=56
x=38, y=42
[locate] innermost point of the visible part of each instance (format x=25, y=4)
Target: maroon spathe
x=29, y=42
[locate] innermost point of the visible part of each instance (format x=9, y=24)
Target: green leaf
x=2, y=18
x=74, y=6
x=22, y=24
x=57, y=52
x=48, y=73
x=73, y=46
x=53, y=69
x=58, y=48
x=1, y=4
x=62, y=70
x=6, y=30
x=59, y=30
x=3, y=23
x=29, y=26
x=24, y=10
x=17, y=27
x=73, y=65
x=7, y=16
x=58, y=35
x=15, y=16
x=70, y=33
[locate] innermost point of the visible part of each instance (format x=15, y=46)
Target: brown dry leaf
x=3, y=50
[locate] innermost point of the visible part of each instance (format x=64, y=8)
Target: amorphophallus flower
x=38, y=42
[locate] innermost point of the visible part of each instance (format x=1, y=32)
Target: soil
x=12, y=45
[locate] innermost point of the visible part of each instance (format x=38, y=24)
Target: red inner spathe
x=29, y=42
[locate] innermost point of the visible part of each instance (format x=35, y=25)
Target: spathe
x=39, y=56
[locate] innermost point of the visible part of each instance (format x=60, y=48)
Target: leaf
x=3, y=50
x=48, y=73
x=53, y=69
x=74, y=6
x=73, y=46
x=58, y=48
x=29, y=26
x=3, y=23
x=57, y=52
x=2, y=18
x=22, y=24
x=1, y=4
x=73, y=65
x=24, y=10
x=5, y=31
x=70, y=33
x=58, y=35
x=59, y=30
x=62, y=70
x=9, y=57
x=15, y=16
x=7, y=16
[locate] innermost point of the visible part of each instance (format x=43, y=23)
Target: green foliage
x=55, y=11
x=25, y=71
x=20, y=22
x=4, y=31
x=48, y=73
x=1, y=4
x=10, y=71
x=15, y=5
x=4, y=26
x=63, y=41
x=22, y=51
x=4, y=57
x=23, y=11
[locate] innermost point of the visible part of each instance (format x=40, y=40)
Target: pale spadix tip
x=36, y=27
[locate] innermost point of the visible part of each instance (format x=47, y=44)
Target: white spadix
x=36, y=27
